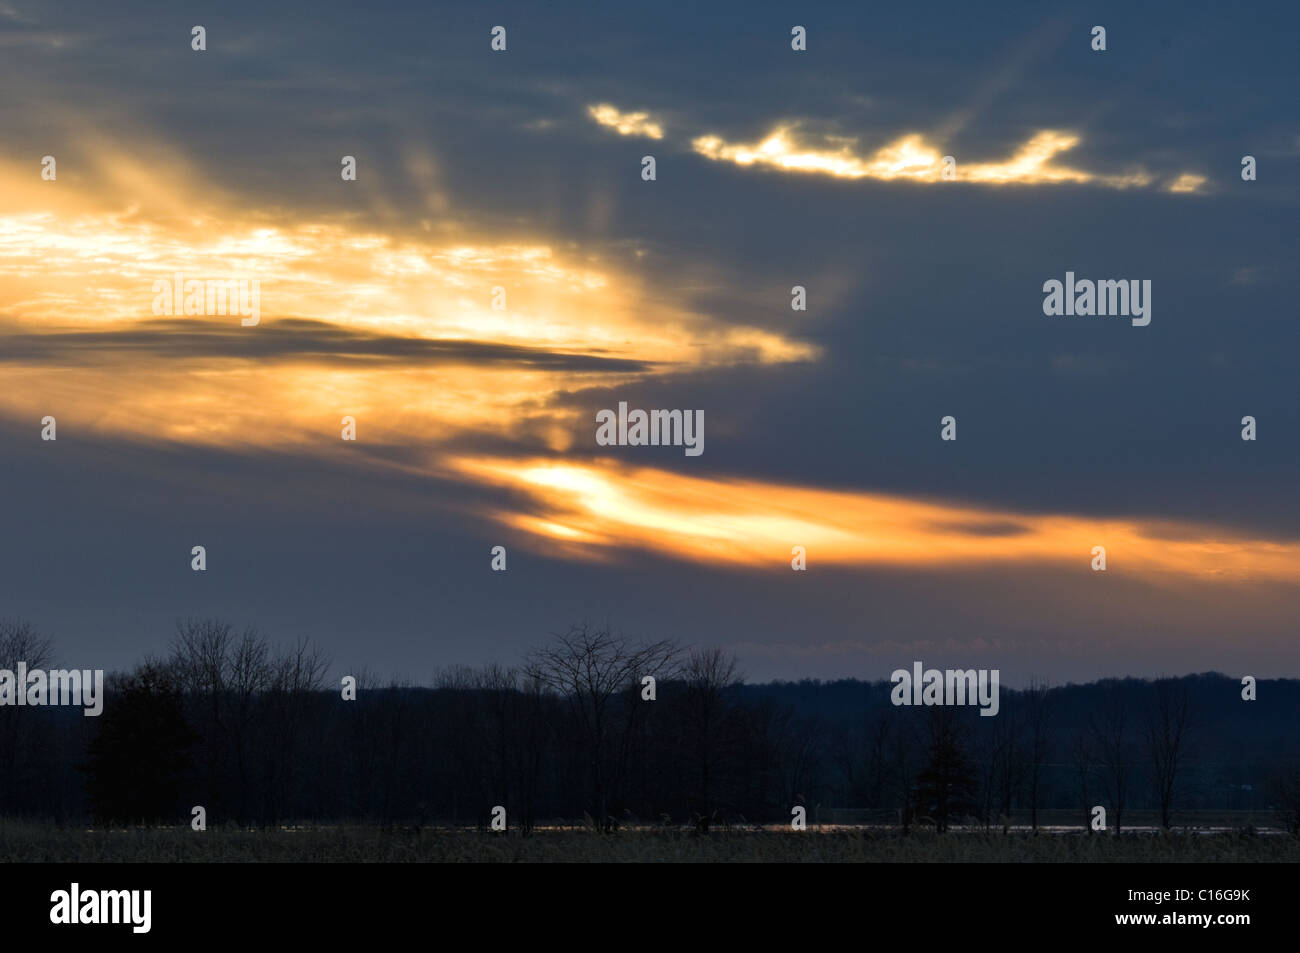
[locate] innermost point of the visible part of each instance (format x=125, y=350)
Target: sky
x=500, y=271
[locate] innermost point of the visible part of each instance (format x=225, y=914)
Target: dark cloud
x=986, y=528
x=285, y=338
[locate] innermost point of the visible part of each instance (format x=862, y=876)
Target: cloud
x=627, y=124
x=913, y=158
x=1187, y=182
x=595, y=509
x=399, y=330
x=74, y=263
x=287, y=339
x=9, y=12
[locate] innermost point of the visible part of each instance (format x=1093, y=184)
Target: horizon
x=384, y=680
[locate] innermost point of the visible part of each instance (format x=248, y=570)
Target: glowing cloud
x=908, y=157
x=912, y=158
x=431, y=356
x=600, y=507
x=1187, y=182
x=627, y=124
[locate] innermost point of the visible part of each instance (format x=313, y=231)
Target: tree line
x=257, y=735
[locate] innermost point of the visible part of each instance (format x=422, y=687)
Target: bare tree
x=847, y=753
x=1284, y=791
x=296, y=674
x=1038, y=702
x=1110, y=734
x=19, y=642
x=905, y=743
x=529, y=711
x=224, y=674
x=512, y=737
x=1002, y=763
x=1081, y=759
x=879, y=766
x=395, y=725
x=1167, y=727
x=709, y=674
x=359, y=759
x=599, y=674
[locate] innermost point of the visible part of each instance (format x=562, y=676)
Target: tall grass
x=24, y=842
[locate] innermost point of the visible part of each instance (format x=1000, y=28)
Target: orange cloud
x=598, y=508
x=71, y=261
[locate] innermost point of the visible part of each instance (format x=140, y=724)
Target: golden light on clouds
x=603, y=507
x=1187, y=182
x=908, y=157
x=447, y=360
x=400, y=331
x=96, y=270
x=627, y=123
x=911, y=157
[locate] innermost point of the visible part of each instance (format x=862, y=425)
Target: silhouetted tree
x=1167, y=726
x=138, y=761
x=946, y=786
x=1081, y=759
x=297, y=675
x=709, y=675
x=1284, y=791
x=1038, y=713
x=19, y=735
x=598, y=674
x=1113, y=747
x=1001, y=761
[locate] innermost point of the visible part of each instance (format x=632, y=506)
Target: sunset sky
x=476, y=426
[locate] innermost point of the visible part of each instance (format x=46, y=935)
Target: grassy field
x=22, y=842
